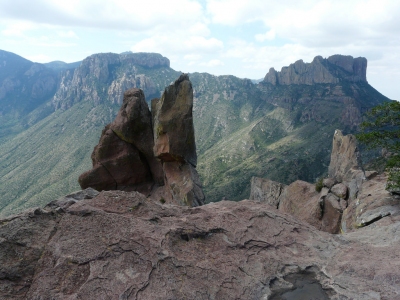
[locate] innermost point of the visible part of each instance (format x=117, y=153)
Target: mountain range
x=51, y=117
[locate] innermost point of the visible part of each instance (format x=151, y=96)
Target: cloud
x=105, y=14
x=192, y=57
x=68, y=34
x=314, y=23
x=269, y=35
x=179, y=43
x=17, y=29
x=213, y=63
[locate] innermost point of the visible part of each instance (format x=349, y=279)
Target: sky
x=237, y=37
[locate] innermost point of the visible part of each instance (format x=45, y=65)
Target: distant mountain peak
x=321, y=70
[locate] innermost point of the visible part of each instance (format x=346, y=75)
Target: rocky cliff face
x=331, y=70
x=154, y=153
x=105, y=77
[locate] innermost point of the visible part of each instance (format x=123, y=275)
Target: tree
x=382, y=129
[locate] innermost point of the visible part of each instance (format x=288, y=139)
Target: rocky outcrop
x=119, y=245
x=345, y=157
x=160, y=164
x=331, y=70
x=337, y=206
x=300, y=199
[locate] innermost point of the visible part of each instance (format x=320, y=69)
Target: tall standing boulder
x=173, y=123
x=174, y=142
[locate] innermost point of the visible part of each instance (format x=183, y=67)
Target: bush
x=319, y=184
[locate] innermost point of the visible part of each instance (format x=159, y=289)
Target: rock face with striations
x=119, y=245
x=320, y=71
x=160, y=163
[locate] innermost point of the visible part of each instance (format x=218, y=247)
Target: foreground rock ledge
x=119, y=245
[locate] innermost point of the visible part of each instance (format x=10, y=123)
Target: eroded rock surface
x=120, y=245
x=161, y=164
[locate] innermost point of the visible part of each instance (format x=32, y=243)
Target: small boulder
x=340, y=190
x=329, y=182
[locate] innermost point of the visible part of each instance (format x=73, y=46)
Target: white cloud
x=268, y=36
x=213, y=63
x=178, y=43
x=192, y=57
x=116, y=14
x=17, y=29
x=67, y=34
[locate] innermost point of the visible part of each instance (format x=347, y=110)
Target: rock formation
x=345, y=157
x=160, y=164
x=320, y=70
x=119, y=245
x=350, y=198
x=174, y=142
x=301, y=201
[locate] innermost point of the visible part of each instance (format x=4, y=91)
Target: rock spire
x=160, y=163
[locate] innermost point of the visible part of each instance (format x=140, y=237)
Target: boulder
x=133, y=124
x=117, y=165
x=339, y=190
x=332, y=214
x=173, y=123
x=174, y=143
x=329, y=182
x=265, y=190
x=302, y=201
x=119, y=245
